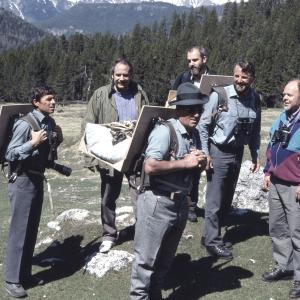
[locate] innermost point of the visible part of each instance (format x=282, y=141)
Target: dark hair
x=122, y=61
x=247, y=67
x=38, y=92
x=202, y=50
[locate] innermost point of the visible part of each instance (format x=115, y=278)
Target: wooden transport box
x=139, y=138
x=7, y=110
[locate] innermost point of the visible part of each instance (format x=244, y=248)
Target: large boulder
x=248, y=192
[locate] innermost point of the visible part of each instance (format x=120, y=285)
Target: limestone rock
x=114, y=260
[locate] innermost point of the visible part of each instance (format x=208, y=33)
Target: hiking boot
x=277, y=274
x=219, y=252
x=295, y=290
x=192, y=217
x=106, y=246
x=15, y=290
x=226, y=245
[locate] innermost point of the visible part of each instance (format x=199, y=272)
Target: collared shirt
x=223, y=132
x=159, y=148
x=126, y=106
x=20, y=146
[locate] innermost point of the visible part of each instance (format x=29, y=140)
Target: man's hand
x=255, y=166
x=266, y=183
x=59, y=134
x=298, y=193
x=209, y=164
x=38, y=137
x=196, y=158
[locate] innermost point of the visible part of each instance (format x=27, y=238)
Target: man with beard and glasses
x=119, y=101
x=197, y=59
x=224, y=130
x=282, y=179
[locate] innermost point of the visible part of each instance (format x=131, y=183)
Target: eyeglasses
x=192, y=110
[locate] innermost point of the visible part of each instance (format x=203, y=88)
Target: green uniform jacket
x=102, y=109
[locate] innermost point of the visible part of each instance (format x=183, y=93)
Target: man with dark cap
x=197, y=58
x=162, y=207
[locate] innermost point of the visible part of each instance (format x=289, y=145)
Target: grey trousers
x=110, y=191
x=159, y=227
x=284, y=225
x=26, y=199
x=221, y=183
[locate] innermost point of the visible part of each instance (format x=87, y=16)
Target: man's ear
x=204, y=59
x=34, y=102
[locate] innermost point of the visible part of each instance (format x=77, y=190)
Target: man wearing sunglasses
x=162, y=207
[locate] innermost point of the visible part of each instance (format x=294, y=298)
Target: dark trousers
x=26, y=199
x=194, y=194
x=221, y=183
x=110, y=191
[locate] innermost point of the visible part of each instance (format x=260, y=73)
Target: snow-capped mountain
x=39, y=10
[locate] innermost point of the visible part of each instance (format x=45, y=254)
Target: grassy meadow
x=194, y=275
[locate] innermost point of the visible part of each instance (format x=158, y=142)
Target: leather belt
x=171, y=195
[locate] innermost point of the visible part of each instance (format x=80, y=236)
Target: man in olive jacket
x=120, y=101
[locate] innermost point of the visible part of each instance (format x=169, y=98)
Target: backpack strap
x=32, y=121
x=222, y=98
x=173, y=150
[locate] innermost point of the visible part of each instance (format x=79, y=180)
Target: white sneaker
x=106, y=246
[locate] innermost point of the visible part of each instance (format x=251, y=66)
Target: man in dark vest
x=197, y=58
x=162, y=206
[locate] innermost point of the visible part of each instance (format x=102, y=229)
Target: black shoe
x=277, y=274
x=15, y=290
x=226, y=245
x=192, y=217
x=32, y=281
x=219, y=252
x=295, y=290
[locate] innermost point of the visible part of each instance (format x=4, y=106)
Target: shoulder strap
x=258, y=100
x=223, y=100
x=31, y=120
x=173, y=138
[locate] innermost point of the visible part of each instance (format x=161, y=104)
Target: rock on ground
x=114, y=260
x=248, y=192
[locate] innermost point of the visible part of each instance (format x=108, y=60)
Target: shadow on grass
x=239, y=228
x=64, y=259
x=194, y=279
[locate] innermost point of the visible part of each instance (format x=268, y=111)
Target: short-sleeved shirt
x=159, y=149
